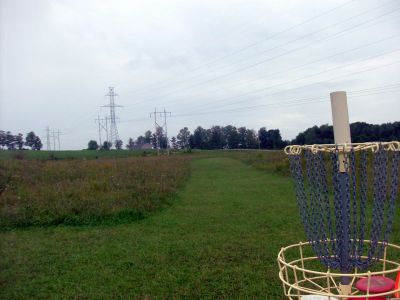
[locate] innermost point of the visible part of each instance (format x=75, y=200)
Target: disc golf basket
x=346, y=194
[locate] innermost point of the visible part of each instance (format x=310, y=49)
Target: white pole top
x=340, y=117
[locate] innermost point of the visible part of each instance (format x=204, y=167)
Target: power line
x=260, y=41
x=287, y=52
x=306, y=64
x=301, y=38
x=298, y=79
x=286, y=103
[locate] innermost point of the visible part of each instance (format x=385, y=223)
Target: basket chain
x=322, y=219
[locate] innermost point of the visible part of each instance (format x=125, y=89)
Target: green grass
x=219, y=240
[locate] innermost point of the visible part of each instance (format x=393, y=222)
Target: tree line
x=221, y=137
x=12, y=142
x=361, y=132
x=216, y=137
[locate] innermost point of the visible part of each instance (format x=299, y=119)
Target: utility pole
x=54, y=140
x=58, y=139
x=106, y=129
x=155, y=128
x=48, y=138
x=113, y=125
x=98, y=120
x=103, y=125
x=164, y=126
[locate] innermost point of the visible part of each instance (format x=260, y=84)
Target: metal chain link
x=323, y=221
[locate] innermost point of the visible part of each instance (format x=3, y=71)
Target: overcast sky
x=244, y=63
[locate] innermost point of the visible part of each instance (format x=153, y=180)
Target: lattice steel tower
x=113, y=124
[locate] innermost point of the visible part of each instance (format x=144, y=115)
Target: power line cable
x=290, y=42
x=306, y=64
x=284, y=103
x=241, y=69
x=260, y=41
x=297, y=79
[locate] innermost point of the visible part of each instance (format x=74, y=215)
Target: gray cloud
x=58, y=58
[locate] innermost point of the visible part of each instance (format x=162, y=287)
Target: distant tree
x=2, y=139
x=10, y=141
x=131, y=144
x=242, y=137
x=92, y=145
x=160, y=137
x=29, y=139
x=251, y=139
x=118, y=144
x=183, y=138
x=232, y=137
x=106, y=145
x=263, y=137
x=191, y=141
x=33, y=141
x=140, y=141
x=361, y=132
x=217, y=138
x=154, y=141
x=37, y=144
x=19, y=141
x=200, y=138
x=174, y=143
x=274, y=139
x=148, y=136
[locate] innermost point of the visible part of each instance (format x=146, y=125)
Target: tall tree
x=274, y=139
x=232, y=137
x=154, y=141
x=131, y=144
x=92, y=145
x=118, y=144
x=174, y=143
x=147, y=136
x=140, y=141
x=200, y=138
x=19, y=141
x=2, y=139
x=263, y=137
x=251, y=139
x=33, y=141
x=217, y=138
x=161, y=138
x=242, y=137
x=183, y=138
x=106, y=145
x=10, y=141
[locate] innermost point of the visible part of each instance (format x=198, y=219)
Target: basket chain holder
x=336, y=228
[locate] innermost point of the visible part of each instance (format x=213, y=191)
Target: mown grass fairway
x=218, y=240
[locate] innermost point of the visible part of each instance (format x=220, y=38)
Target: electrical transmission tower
x=113, y=124
x=162, y=127
x=51, y=137
x=58, y=139
x=48, y=138
x=103, y=125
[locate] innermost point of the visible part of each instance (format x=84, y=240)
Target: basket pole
x=341, y=131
